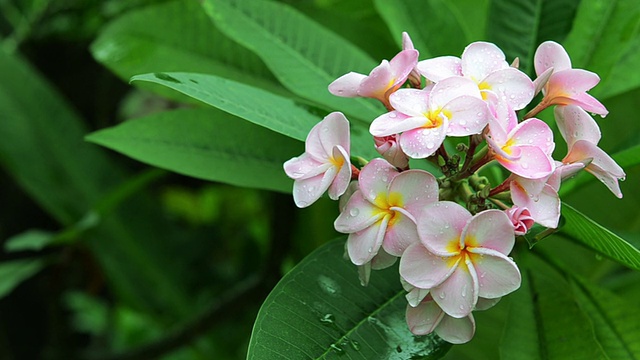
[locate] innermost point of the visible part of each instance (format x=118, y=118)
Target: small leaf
x=29, y=240
x=302, y=54
x=319, y=310
x=12, y=273
x=587, y=232
x=207, y=144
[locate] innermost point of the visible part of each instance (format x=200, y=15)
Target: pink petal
x=382, y=260
x=375, y=177
x=424, y=270
x=440, y=226
x=585, y=101
x=514, y=85
x=531, y=186
x=544, y=207
x=334, y=130
x=480, y=59
x=358, y=215
x=419, y=187
x=424, y=318
x=458, y=294
x=533, y=132
x=402, y=64
x=490, y=229
x=448, y=89
x=363, y=245
x=406, y=41
x=380, y=79
x=347, y=85
x=573, y=81
x=484, y=304
x=411, y=102
x=440, y=68
x=456, y=331
x=533, y=163
x=416, y=295
x=497, y=274
x=469, y=115
x=307, y=191
x=401, y=233
x=423, y=142
x=304, y=167
x=550, y=54
x=343, y=177
x=602, y=166
x=393, y=123
x=541, y=81
x=575, y=124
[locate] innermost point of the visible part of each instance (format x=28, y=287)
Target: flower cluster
x=453, y=231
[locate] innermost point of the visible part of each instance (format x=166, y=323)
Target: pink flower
x=325, y=164
x=520, y=218
x=414, y=77
x=381, y=82
x=582, y=135
x=539, y=197
x=452, y=107
x=390, y=150
x=461, y=257
x=525, y=148
x=382, y=212
x=486, y=65
x=566, y=86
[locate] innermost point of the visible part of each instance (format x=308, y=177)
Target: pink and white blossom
x=389, y=148
x=325, y=164
x=565, y=86
x=381, y=214
x=582, y=135
x=539, y=197
x=461, y=257
x=485, y=64
x=520, y=218
x=381, y=82
x=425, y=117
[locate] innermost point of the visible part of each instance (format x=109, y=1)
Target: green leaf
x=177, y=36
x=303, y=55
x=207, y=144
x=274, y=112
x=605, y=39
x=319, y=310
x=591, y=234
x=426, y=21
x=12, y=273
x=29, y=240
x=519, y=26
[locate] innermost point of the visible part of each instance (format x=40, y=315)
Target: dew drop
x=370, y=250
x=525, y=165
x=337, y=348
x=463, y=122
x=430, y=145
x=480, y=114
x=442, y=295
x=327, y=319
x=354, y=212
x=461, y=307
x=355, y=345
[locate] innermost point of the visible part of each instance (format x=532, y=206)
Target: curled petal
x=423, y=269
x=304, y=167
x=456, y=331
x=550, y=54
x=532, y=163
x=331, y=131
x=416, y=295
x=490, y=229
x=363, y=245
x=440, y=68
x=424, y=318
x=343, y=177
x=440, y=226
x=541, y=81
x=575, y=124
x=497, y=274
x=394, y=122
x=423, y=142
x=480, y=59
x=458, y=294
x=358, y=215
x=307, y=191
x=347, y=85
x=520, y=219
x=602, y=166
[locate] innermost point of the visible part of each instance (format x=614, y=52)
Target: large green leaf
x=519, y=26
x=319, y=310
x=605, y=38
x=208, y=144
x=591, y=234
x=176, y=36
x=303, y=55
x=426, y=21
x=255, y=105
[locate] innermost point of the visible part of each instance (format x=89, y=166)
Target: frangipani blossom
x=525, y=148
x=382, y=212
x=389, y=148
x=520, y=218
x=381, y=82
x=461, y=257
x=425, y=117
x=539, y=197
x=582, y=135
x=325, y=164
x=566, y=86
x=486, y=65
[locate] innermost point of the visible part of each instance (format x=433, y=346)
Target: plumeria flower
x=381, y=82
x=539, y=197
x=382, y=212
x=486, y=65
x=425, y=117
x=582, y=135
x=461, y=257
x=388, y=147
x=524, y=149
x=566, y=86
x=325, y=164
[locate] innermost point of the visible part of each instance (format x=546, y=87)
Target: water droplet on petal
x=525, y=165
x=442, y=295
x=354, y=212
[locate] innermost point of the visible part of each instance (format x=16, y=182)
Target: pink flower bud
x=389, y=148
x=520, y=218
